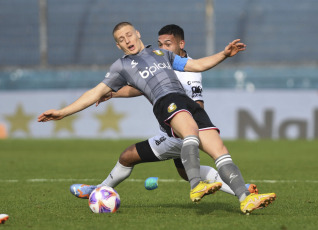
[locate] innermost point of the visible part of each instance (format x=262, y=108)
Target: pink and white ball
x=104, y=200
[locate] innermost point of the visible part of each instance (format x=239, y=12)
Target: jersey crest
x=172, y=107
x=158, y=52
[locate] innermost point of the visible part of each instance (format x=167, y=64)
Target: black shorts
x=168, y=106
x=145, y=152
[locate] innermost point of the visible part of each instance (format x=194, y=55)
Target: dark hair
x=120, y=25
x=173, y=29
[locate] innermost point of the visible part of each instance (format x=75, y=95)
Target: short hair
x=120, y=25
x=173, y=29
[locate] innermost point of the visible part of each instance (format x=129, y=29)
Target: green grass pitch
x=35, y=176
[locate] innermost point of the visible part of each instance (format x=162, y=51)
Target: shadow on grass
x=202, y=208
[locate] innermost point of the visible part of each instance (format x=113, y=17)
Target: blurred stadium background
x=51, y=51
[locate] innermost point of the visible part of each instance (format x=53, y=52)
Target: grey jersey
x=150, y=71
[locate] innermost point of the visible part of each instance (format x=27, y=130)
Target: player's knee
x=129, y=157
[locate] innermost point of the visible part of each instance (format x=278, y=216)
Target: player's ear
x=138, y=34
x=182, y=44
x=118, y=46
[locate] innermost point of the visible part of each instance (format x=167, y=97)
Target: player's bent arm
x=84, y=101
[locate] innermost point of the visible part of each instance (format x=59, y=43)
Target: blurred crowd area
x=69, y=43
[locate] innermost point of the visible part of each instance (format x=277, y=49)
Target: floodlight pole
x=43, y=32
x=209, y=27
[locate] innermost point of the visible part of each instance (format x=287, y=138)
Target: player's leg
x=172, y=112
x=134, y=154
x=184, y=126
x=180, y=169
x=165, y=147
x=141, y=152
x=230, y=173
x=123, y=168
x=210, y=174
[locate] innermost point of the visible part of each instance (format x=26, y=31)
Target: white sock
x=117, y=175
x=209, y=173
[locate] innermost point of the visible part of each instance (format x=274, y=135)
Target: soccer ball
x=103, y=200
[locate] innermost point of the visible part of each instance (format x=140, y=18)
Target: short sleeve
x=113, y=78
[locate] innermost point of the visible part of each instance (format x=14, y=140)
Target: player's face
x=128, y=40
x=171, y=43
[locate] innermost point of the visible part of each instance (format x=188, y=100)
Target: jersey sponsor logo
x=161, y=139
x=152, y=69
x=191, y=82
x=133, y=64
x=158, y=52
x=107, y=75
x=196, y=91
x=172, y=107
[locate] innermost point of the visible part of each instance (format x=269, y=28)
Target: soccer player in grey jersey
x=159, y=147
x=152, y=73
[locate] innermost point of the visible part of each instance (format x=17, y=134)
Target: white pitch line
x=41, y=180
x=9, y=181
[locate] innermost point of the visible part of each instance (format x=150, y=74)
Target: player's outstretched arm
x=84, y=101
x=126, y=91
x=206, y=63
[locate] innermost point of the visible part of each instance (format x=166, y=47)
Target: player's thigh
x=212, y=144
x=184, y=125
x=130, y=156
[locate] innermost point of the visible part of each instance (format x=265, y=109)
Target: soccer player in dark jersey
x=152, y=72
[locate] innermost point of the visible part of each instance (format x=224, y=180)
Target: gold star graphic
x=66, y=123
x=109, y=119
x=20, y=120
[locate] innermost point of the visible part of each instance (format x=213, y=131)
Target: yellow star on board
x=109, y=119
x=20, y=120
x=66, y=123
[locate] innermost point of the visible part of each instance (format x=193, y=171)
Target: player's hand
x=104, y=98
x=233, y=48
x=49, y=115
